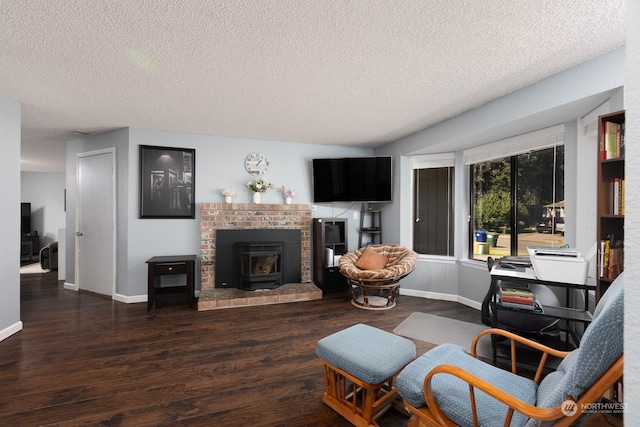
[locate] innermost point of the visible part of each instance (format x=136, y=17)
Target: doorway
x=95, y=222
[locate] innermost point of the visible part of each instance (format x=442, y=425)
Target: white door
x=95, y=222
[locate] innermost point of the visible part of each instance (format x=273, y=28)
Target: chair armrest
x=545, y=350
x=545, y=414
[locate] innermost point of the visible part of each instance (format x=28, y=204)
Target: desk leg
x=494, y=320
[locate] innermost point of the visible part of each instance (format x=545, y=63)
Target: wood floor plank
x=85, y=360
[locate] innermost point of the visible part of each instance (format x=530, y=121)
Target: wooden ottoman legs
x=358, y=402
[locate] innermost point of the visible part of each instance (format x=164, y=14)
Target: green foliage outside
x=536, y=186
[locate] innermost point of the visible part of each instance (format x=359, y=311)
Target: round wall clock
x=256, y=164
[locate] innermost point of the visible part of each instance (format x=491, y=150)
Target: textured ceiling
x=357, y=72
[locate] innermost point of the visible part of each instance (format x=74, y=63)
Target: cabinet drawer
x=171, y=268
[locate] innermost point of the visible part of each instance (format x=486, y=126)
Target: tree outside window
x=511, y=198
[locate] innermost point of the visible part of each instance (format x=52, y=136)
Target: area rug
x=439, y=330
x=32, y=269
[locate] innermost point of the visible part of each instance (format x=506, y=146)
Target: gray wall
x=45, y=192
x=219, y=165
x=10, y=225
x=562, y=98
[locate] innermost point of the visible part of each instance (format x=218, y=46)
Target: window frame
x=436, y=161
x=508, y=149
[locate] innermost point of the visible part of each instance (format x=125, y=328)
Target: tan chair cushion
x=371, y=260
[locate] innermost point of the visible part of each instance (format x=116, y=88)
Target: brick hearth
x=235, y=216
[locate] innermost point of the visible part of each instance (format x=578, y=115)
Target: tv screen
x=25, y=218
x=352, y=179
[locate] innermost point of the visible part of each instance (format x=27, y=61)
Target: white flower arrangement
x=259, y=185
x=228, y=192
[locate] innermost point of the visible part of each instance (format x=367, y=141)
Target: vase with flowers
x=259, y=186
x=288, y=194
x=228, y=195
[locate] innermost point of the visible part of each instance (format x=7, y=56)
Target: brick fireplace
x=237, y=216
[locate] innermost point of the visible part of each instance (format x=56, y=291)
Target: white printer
x=564, y=265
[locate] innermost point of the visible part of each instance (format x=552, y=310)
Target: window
x=433, y=201
x=517, y=197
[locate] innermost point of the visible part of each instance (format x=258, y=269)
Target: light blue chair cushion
x=452, y=394
x=600, y=346
x=369, y=354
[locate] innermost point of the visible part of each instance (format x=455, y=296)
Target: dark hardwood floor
x=83, y=359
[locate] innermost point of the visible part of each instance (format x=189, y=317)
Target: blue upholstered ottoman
x=361, y=363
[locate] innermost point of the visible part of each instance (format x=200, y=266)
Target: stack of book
x=517, y=298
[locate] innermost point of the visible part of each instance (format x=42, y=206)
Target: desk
x=568, y=314
x=166, y=265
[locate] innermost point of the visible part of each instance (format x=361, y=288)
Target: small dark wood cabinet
x=167, y=265
x=329, y=238
x=29, y=247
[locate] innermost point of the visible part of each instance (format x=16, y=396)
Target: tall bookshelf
x=611, y=187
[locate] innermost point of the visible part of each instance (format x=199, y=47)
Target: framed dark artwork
x=167, y=182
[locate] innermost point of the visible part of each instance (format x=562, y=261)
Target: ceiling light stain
x=141, y=60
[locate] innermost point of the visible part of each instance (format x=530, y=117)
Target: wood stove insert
x=259, y=265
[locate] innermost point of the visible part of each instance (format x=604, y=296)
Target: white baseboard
x=130, y=299
x=116, y=297
x=442, y=297
x=70, y=286
x=135, y=299
x=10, y=330
x=470, y=303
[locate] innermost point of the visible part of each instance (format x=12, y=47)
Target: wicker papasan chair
x=374, y=274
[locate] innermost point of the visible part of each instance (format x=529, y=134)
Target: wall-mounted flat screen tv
x=25, y=218
x=352, y=179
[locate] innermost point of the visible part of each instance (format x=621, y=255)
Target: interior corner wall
x=575, y=91
x=10, y=122
x=219, y=165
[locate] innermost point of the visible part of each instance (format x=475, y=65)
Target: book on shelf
x=610, y=259
x=615, y=196
x=616, y=262
x=607, y=253
x=519, y=306
x=517, y=300
x=611, y=146
x=603, y=261
x=621, y=153
x=619, y=391
x=622, y=197
x=515, y=297
x=516, y=292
